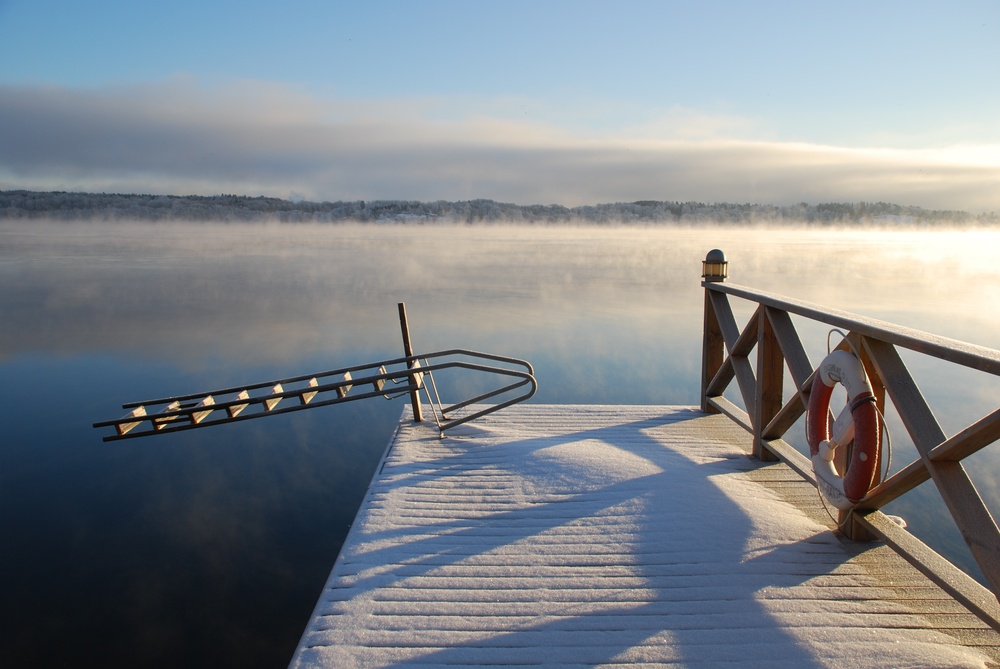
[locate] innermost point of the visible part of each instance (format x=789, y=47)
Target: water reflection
x=210, y=547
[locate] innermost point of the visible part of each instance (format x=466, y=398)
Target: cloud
x=182, y=137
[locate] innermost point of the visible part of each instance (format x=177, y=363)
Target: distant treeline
x=20, y=204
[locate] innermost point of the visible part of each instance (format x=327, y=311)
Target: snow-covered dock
x=571, y=536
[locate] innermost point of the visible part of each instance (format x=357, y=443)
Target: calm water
x=209, y=548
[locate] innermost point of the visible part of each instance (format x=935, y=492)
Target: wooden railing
x=772, y=336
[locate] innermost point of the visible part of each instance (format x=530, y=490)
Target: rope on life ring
x=858, y=421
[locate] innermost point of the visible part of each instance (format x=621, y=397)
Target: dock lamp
x=715, y=267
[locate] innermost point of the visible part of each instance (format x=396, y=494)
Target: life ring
x=859, y=420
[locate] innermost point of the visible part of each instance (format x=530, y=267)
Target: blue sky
x=529, y=102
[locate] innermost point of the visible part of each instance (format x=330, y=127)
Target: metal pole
x=408, y=351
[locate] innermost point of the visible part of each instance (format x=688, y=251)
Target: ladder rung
x=135, y=413
x=161, y=422
x=343, y=390
x=379, y=383
x=235, y=409
x=418, y=378
x=197, y=409
x=199, y=416
x=272, y=402
x=306, y=397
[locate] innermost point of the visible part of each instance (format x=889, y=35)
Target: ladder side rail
x=252, y=415
x=526, y=377
x=405, y=377
x=334, y=372
x=188, y=410
x=268, y=384
x=493, y=407
x=493, y=393
x=478, y=354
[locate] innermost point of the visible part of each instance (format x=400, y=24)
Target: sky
x=536, y=102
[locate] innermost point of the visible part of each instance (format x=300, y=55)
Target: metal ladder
x=409, y=374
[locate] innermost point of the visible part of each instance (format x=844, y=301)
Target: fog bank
x=260, y=139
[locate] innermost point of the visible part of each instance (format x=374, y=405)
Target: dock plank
x=570, y=536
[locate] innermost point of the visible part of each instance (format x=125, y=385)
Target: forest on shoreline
x=71, y=206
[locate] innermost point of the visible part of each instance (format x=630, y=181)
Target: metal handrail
x=187, y=412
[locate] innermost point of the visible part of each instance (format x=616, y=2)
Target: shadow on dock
x=568, y=536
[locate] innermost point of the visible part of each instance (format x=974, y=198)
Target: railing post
x=713, y=269
x=408, y=351
x=770, y=375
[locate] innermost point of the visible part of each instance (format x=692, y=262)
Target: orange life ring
x=859, y=420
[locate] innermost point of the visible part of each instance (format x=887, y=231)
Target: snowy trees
x=21, y=204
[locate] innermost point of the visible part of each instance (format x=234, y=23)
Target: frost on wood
x=582, y=536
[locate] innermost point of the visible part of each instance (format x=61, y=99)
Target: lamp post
x=714, y=269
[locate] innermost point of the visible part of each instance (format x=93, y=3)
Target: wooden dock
x=580, y=536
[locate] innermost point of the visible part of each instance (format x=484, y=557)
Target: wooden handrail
x=962, y=353
x=771, y=332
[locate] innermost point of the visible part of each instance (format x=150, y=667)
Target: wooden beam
x=418, y=414
x=417, y=378
x=736, y=414
x=980, y=434
x=962, y=353
x=973, y=519
x=733, y=337
x=794, y=353
x=198, y=416
x=968, y=441
x=343, y=390
x=799, y=366
x=785, y=418
x=791, y=457
x=779, y=447
x=712, y=354
x=878, y=387
x=123, y=428
x=749, y=338
x=900, y=483
x=160, y=422
x=236, y=409
x=379, y=384
x=722, y=378
x=956, y=582
x=306, y=397
x=770, y=378
x=271, y=402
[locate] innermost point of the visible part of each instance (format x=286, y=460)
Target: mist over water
x=210, y=547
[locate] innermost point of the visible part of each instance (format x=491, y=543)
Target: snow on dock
x=572, y=536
